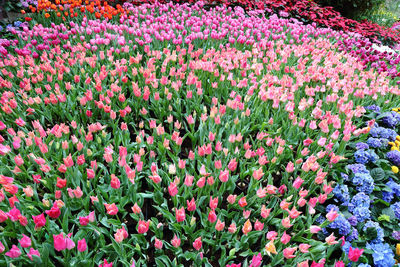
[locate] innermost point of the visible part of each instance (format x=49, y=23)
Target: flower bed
x=178, y=135
x=367, y=193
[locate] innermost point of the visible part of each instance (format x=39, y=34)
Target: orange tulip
x=270, y=248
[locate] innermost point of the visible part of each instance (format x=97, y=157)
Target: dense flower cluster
x=369, y=196
x=174, y=134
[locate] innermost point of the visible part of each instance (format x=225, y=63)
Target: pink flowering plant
x=177, y=135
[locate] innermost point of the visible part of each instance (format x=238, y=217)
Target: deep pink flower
x=197, y=243
x=191, y=206
x=354, y=254
x=158, y=244
x=176, y=242
x=25, y=241
x=82, y=245
x=59, y=242
x=106, y=264
x=256, y=260
x=33, y=252
x=54, y=212
x=39, y=221
x=14, y=252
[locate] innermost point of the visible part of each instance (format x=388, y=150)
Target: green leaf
x=390, y=213
x=371, y=233
x=378, y=174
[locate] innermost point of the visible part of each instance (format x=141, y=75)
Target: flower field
x=195, y=134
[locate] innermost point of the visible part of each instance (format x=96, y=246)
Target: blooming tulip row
x=304, y=10
x=177, y=136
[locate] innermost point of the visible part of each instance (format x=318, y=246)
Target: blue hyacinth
x=341, y=193
x=341, y=224
x=362, y=146
x=353, y=235
x=391, y=119
x=383, y=255
x=364, y=182
x=357, y=168
x=374, y=108
x=396, y=209
x=394, y=157
x=374, y=142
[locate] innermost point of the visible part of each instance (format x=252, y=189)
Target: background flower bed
x=362, y=45
x=211, y=143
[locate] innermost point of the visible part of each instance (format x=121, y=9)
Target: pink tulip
x=285, y=238
x=33, y=252
x=288, y=252
x=14, y=252
x=180, y=214
x=158, y=244
x=143, y=226
x=82, y=245
x=25, y=241
x=197, y=243
x=176, y=242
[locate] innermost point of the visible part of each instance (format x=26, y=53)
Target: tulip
x=270, y=248
x=158, y=243
x=330, y=240
x=14, y=252
x=54, y=212
x=332, y=215
x=258, y=226
x=176, y=242
x=246, y=227
x=25, y=241
x=242, y=202
x=33, y=252
x=82, y=245
x=285, y=238
x=213, y=203
x=212, y=217
x=304, y=248
x=143, y=226
x=232, y=228
x=314, y=229
x=180, y=214
x=288, y=252
x=219, y=226
x=191, y=206
x=354, y=254
x=197, y=243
